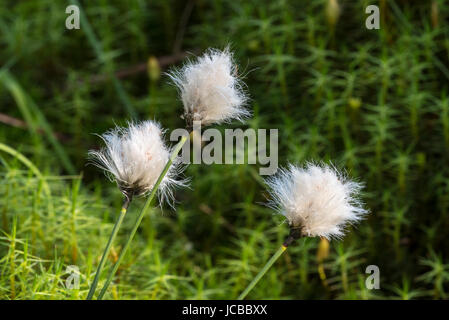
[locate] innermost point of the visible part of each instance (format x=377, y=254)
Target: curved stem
x=16, y=154
x=119, y=221
x=141, y=215
x=262, y=272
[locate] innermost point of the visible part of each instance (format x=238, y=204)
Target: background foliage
x=373, y=101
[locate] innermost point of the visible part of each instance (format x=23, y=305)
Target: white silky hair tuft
x=316, y=198
x=134, y=157
x=210, y=88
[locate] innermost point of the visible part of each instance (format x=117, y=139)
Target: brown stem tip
x=295, y=233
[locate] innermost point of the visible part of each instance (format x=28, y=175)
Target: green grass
x=373, y=101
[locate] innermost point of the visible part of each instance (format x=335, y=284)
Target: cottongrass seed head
x=318, y=199
x=210, y=89
x=134, y=157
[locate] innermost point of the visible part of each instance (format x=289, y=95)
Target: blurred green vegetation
x=373, y=101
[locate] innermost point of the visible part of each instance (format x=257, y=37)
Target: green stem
x=119, y=221
x=264, y=270
x=142, y=214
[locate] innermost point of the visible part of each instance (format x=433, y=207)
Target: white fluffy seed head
x=210, y=89
x=318, y=199
x=134, y=157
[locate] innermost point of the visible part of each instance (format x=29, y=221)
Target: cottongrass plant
x=317, y=201
x=137, y=159
x=134, y=157
x=210, y=89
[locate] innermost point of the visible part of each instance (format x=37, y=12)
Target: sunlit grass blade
x=33, y=168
